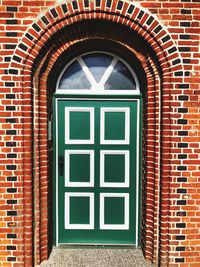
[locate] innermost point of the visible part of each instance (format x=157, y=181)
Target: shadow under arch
x=131, y=51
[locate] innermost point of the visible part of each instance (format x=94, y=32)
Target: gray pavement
x=98, y=257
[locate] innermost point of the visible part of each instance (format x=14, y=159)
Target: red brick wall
x=29, y=51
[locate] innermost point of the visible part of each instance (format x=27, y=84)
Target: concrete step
x=98, y=257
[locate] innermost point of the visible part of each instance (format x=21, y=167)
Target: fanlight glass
x=97, y=64
x=99, y=72
x=120, y=79
x=74, y=78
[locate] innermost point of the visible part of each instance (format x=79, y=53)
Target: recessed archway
x=53, y=36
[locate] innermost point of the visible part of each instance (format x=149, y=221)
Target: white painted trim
x=96, y=92
x=126, y=168
x=124, y=226
x=126, y=141
x=57, y=217
x=64, y=245
x=68, y=225
x=67, y=125
x=67, y=168
x=137, y=162
x=108, y=72
x=88, y=73
x=137, y=172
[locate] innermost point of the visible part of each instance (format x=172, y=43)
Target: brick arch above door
x=133, y=16
x=34, y=59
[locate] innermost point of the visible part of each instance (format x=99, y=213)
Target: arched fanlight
x=98, y=72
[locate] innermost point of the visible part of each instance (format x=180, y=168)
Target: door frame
x=138, y=99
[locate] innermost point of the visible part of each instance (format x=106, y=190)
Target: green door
x=96, y=169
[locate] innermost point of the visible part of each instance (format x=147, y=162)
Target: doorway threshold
x=96, y=257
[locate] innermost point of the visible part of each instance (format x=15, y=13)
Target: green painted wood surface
x=99, y=236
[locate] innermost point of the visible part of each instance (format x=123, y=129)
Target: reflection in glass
x=120, y=79
x=97, y=64
x=88, y=70
x=74, y=78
